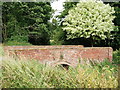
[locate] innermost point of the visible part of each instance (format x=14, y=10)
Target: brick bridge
x=63, y=54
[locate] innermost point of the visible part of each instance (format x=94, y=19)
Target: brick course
x=64, y=53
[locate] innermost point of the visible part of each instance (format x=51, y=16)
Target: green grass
x=1, y=50
x=32, y=74
x=16, y=43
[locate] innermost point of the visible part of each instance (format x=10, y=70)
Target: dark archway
x=65, y=66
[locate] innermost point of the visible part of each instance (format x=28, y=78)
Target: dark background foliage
x=26, y=23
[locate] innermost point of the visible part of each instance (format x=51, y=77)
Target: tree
x=26, y=21
x=89, y=19
x=67, y=6
x=115, y=42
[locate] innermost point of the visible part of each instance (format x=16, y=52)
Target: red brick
x=63, y=53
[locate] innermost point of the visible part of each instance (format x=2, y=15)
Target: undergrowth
x=32, y=74
x=17, y=73
x=116, y=57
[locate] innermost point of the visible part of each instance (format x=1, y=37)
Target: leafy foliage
x=116, y=56
x=26, y=19
x=67, y=6
x=57, y=34
x=115, y=42
x=90, y=19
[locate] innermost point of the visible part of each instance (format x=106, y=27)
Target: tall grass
x=1, y=54
x=32, y=74
x=1, y=50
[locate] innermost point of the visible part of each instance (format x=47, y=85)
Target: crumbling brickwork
x=61, y=54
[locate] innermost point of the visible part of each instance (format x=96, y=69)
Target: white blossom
x=92, y=17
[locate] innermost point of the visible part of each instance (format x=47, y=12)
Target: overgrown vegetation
x=32, y=74
x=116, y=57
x=26, y=22
x=21, y=73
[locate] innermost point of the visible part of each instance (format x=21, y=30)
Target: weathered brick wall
x=45, y=46
x=65, y=53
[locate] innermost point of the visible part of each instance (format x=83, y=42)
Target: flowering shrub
x=89, y=19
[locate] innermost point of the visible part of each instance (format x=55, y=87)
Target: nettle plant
x=90, y=19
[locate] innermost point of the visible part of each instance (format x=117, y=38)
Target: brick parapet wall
x=42, y=47
x=63, y=53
